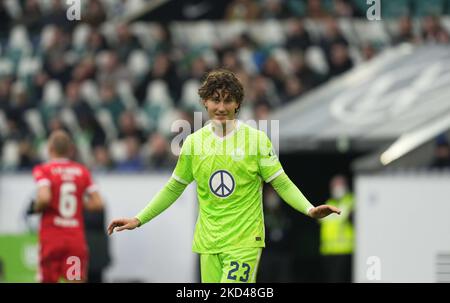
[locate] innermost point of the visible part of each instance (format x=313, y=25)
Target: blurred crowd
x=118, y=86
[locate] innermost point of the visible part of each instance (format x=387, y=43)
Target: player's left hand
x=322, y=211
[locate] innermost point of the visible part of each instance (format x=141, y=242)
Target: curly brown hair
x=221, y=79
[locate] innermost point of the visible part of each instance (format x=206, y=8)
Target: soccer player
x=229, y=160
x=62, y=184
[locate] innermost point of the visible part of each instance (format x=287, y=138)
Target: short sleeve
x=269, y=165
x=40, y=176
x=183, y=169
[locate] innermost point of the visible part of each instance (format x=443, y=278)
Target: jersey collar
x=230, y=134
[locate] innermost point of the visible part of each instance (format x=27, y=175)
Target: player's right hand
x=124, y=223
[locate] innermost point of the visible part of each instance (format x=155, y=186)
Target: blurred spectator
x=159, y=156
x=112, y=70
x=126, y=42
x=273, y=9
x=15, y=116
x=162, y=39
x=368, y=52
x=39, y=81
x=242, y=10
x=263, y=90
x=340, y=60
x=272, y=70
x=441, y=158
x=229, y=61
x=297, y=37
x=433, y=31
x=58, y=16
x=405, y=31
x=129, y=128
x=133, y=161
x=163, y=69
x=95, y=44
x=315, y=9
x=293, y=88
x=300, y=69
x=94, y=13
x=102, y=159
x=5, y=93
x=111, y=101
x=337, y=235
x=89, y=126
x=27, y=155
x=32, y=17
x=262, y=111
x=84, y=70
x=346, y=8
x=331, y=37
x=5, y=20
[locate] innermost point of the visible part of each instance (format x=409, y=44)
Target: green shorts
x=236, y=266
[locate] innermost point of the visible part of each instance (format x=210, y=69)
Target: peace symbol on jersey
x=221, y=183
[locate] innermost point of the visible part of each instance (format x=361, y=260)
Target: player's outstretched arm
x=322, y=211
x=122, y=224
x=290, y=193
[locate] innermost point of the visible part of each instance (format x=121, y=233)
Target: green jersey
x=229, y=172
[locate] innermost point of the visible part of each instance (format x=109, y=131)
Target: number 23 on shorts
x=233, y=273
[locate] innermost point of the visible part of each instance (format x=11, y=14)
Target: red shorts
x=63, y=259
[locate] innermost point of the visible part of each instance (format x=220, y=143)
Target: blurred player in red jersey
x=62, y=184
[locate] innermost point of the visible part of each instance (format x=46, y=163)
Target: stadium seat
x=202, y=34
x=69, y=119
x=53, y=93
x=166, y=121
x=117, y=150
x=144, y=33
x=189, y=96
x=158, y=99
x=46, y=36
x=18, y=44
x=6, y=67
x=138, y=64
x=347, y=29
x=281, y=55
x=315, y=58
x=29, y=66
x=126, y=95
x=89, y=92
x=34, y=120
x=10, y=155
x=144, y=122
x=105, y=120
x=269, y=33
x=80, y=36
x=228, y=31
x=371, y=32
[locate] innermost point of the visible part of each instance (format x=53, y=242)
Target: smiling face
x=221, y=94
x=221, y=106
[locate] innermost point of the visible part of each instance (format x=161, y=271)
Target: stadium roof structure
x=390, y=105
